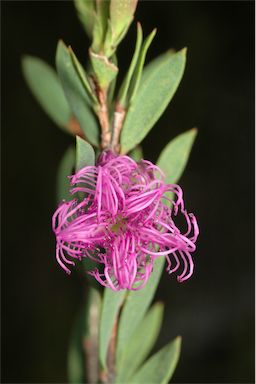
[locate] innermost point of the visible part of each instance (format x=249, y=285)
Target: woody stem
x=102, y=112
x=119, y=116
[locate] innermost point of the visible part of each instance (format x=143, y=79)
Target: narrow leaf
x=86, y=14
x=153, y=96
x=136, y=305
x=84, y=339
x=121, y=15
x=160, y=367
x=76, y=94
x=85, y=155
x=45, y=86
x=100, y=25
x=83, y=77
x=102, y=8
x=124, y=88
x=104, y=69
x=112, y=85
x=140, y=65
x=174, y=157
x=65, y=169
x=111, y=304
x=140, y=344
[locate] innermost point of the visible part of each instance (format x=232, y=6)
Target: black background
x=214, y=311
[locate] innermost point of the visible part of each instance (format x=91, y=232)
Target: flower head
x=126, y=219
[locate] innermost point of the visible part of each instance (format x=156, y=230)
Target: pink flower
x=126, y=219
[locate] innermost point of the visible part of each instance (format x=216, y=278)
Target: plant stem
x=103, y=115
x=119, y=116
x=91, y=345
x=108, y=377
x=109, y=139
x=111, y=361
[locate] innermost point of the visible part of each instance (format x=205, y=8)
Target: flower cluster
x=124, y=221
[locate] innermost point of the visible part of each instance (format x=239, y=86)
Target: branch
x=91, y=346
x=109, y=375
x=102, y=112
x=119, y=116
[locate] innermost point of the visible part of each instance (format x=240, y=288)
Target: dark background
x=214, y=311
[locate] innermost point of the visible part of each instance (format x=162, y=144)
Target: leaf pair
x=148, y=95
x=67, y=101
x=131, y=81
x=84, y=346
x=138, y=329
x=105, y=22
x=78, y=92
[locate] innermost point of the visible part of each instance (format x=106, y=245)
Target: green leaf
x=104, y=69
x=85, y=333
x=160, y=367
x=65, y=169
x=102, y=9
x=154, y=64
x=125, y=85
x=86, y=13
x=111, y=304
x=139, y=67
x=45, y=86
x=83, y=77
x=140, y=343
x=85, y=155
x=156, y=90
x=100, y=25
x=174, y=157
x=136, y=153
x=136, y=305
x=76, y=94
x=112, y=85
x=121, y=16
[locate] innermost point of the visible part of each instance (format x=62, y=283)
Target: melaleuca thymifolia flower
x=125, y=221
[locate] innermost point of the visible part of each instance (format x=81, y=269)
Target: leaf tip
x=184, y=51
x=70, y=50
x=194, y=131
x=160, y=306
x=160, y=303
x=178, y=341
x=61, y=42
x=139, y=26
x=61, y=45
x=153, y=33
x=23, y=62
